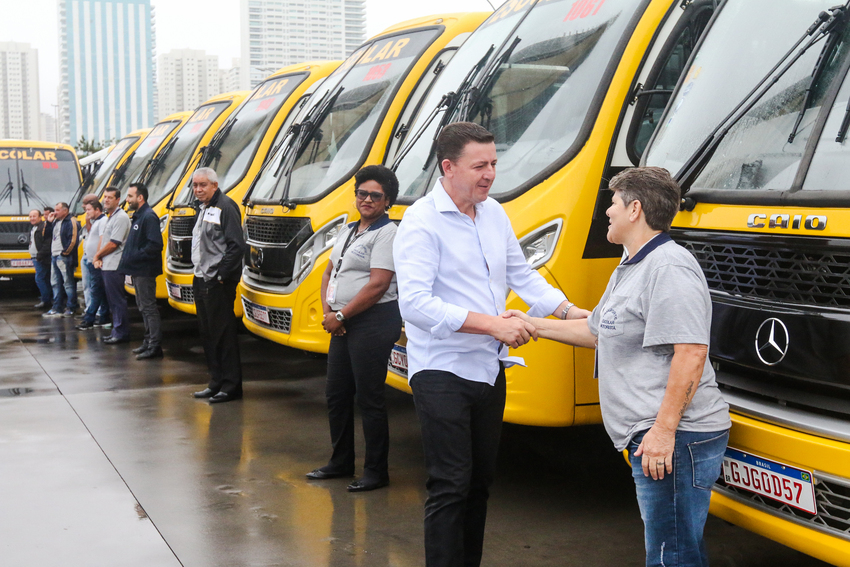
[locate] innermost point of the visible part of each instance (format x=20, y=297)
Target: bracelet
x=567, y=309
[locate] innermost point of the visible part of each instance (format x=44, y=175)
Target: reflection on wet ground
x=106, y=460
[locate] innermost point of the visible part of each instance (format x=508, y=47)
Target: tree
x=87, y=147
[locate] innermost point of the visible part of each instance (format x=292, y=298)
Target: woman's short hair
x=384, y=176
x=454, y=137
x=659, y=195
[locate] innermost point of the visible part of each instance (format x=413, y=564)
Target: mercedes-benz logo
x=259, y=257
x=772, y=341
x=23, y=239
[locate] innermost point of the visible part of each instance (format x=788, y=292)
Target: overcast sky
x=189, y=24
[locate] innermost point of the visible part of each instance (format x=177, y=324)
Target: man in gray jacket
x=217, y=249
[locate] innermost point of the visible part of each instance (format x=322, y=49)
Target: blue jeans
x=674, y=509
x=64, y=284
x=96, y=302
x=42, y=280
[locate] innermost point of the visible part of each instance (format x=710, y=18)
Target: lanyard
x=352, y=236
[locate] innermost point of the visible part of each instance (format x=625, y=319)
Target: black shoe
x=361, y=485
x=114, y=341
x=141, y=349
x=321, y=474
x=225, y=397
x=205, y=393
x=155, y=352
x=85, y=326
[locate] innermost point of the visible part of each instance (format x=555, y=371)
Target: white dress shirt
x=448, y=265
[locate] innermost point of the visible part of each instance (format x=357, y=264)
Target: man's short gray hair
x=207, y=172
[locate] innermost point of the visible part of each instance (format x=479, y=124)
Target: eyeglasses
x=374, y=195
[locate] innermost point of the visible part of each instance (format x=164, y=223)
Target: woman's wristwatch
x=339, y=316
x=567, y=309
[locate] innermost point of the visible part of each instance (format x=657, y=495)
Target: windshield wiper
x=479, y=95
x=210, y=152
x=28, y=192
x=694, y=165
x=448, y=105
x=156, y=163
x=7, y=190
x=118, y=174
x=304, y=132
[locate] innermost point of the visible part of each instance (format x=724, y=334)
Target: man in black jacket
x=63, y=259
x=142, y=260
x=217, y=249
x=39, y=249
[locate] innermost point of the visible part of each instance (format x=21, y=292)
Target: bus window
x=756, y=153
x=35, y=178
x=828, y=170
x=662, y=79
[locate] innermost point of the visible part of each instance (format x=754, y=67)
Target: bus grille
x=15, y=235
x=832, y=497
x=181, y=226
x=15, y=227
x=272, y=230
x=805, y=271
x=279, y=319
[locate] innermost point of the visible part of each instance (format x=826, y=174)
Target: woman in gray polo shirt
x=360, y=302
x=657, y=389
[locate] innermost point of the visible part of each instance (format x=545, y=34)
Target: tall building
x=185, y=79
x=107, y=87
x=277, y=33
x=19, y=104
x=48, y=128
x=229, y=78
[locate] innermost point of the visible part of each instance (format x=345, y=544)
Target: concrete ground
x=108, y=461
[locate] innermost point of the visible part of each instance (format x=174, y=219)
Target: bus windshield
x=34, y=178
x=759, y=152
x=247, y=127
x=174, y=157
x=143, y=154
x=98, y=184
x=540, y=98
x=364, y=86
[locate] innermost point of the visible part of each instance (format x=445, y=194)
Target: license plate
x=174, y=291
x=22, y=263
x=768, y=478
x=398, y=360
x=261, y=314
x=128, y=280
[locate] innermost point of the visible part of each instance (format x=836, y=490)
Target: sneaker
x=52, y=313
x=40, y=305
x=85, y=325
x=69, y=313
x=104, y=326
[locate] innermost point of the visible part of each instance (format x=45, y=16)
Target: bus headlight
x=539, y=245
x=321, y=241
x=163, y=222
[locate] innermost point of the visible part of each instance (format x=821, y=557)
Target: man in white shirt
x=456, y=256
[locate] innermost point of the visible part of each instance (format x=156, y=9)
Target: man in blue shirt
x=456, y=256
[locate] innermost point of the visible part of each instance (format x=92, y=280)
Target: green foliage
x=87, y=147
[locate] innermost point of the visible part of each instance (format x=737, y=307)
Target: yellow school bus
x=236, y=153
x=163, y=173
x=304, y=193
x=571, y=92
x=33, y=175
x=767, y=216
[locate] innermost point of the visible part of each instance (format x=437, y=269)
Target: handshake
x=515, y=328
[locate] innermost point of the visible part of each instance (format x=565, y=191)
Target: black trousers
x=461, y=425
x=217, y=326
x=357, y=370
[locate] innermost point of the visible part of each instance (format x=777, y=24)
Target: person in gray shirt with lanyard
x=360, y=303
x=657, y=389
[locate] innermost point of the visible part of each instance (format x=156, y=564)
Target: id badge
x=330, y=296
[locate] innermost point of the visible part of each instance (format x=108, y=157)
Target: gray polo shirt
x=92, y=242
x=56, y=243
x=654, y=301
x=373, y=248
x=116, y=230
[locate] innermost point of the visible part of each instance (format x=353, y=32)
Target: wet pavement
x=109, y=461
